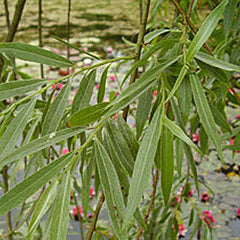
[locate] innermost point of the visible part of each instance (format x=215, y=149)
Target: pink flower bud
x=65, y=151
x=97, y=86
x=109, y=50
x=208, y=218
x=113, y=78
x=155, y=93
x=205, y=197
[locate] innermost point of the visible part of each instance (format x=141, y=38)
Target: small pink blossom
x=70, y=102
x=85, y=49
x=75, y=91
x=74, y=212
x=230, y=91
x=116, y=116
x=175, y=200
x=90, y=215
x=238, y=116
x=155, y=93
x=195, y=137
x=91, y=192
x=109, y=50
x=59, y=86
x=115, y=94
x=97, y=86
x=65, y=151
x=205, y=197
x=190, y=194
x=238, y=212
x=112, y=78
x=181, y=228
x=208, y=218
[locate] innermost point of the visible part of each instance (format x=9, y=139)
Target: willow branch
x=80, y=219
x=95, y=217
x=7, y=13
x=189, y=22
x=16, y=19
x=151, y=205
x=8, y=215
x=140, y=43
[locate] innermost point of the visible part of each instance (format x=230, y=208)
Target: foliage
x=193, y=78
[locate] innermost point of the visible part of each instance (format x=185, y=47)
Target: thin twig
x=16, y=19
x=40, y=39
x=80, y=219
x=7, y=14
x=8, y=215
x=190, y=9
x=189, y=22
x=140, y=43
x=68, y=27
x=95, y=217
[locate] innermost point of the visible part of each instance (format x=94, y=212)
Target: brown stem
x=8, y=215
x=189, y=22
x=80, y=219
x=68, y=27
x=7, y=14
x=95, y=217
x=190, y=9
x=140, y=43
x=151, y=205
x=16, y=19
x=40, y=39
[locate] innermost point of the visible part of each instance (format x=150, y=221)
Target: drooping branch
x=140, y=42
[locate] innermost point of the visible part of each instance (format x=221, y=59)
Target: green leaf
x=167, y=163
x=18, y=88
x=203, y=140
x=143, y=164
x=218, y=63
x=205, y=31
x=153, y=34
x=30, y=185
x=178, y=82
x=205, y=114
x=129, y=136
x=87, y=115
x=143, y=109
x=111, y=188
x=14, y=130
x=140, y=86
x=101, y=90
x=79, y=49
x=34, y=54
x=220, y=119
x=42, y=206
x=59, y=217
x=56, y=110
x=39, y=144
x=84, y=93
x=179, y=156
x=229, y=16
x=120, y=146
x=178, y=132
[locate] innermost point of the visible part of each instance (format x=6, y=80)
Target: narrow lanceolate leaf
x=84, y=93
x=18, y=88
x=79, y=49
x=218, y=63
x=39, y=144
x=179, y=156
x=178, y=132
x=140, y=86
x=120, y=147
x=111, y=188
x=56, y=110
x=42, y=207
x=167, y=163
x=143, y=164
x=229, y=16
x=60, y=213
x=30, y=185
x=220, y=119
x=143, y=109
x=178, y=82
x=129, y=136
x=205, y=113
x=34, y=54
x=205, y=31
x=87, y=115
x=15, y=129
x=101, y=90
